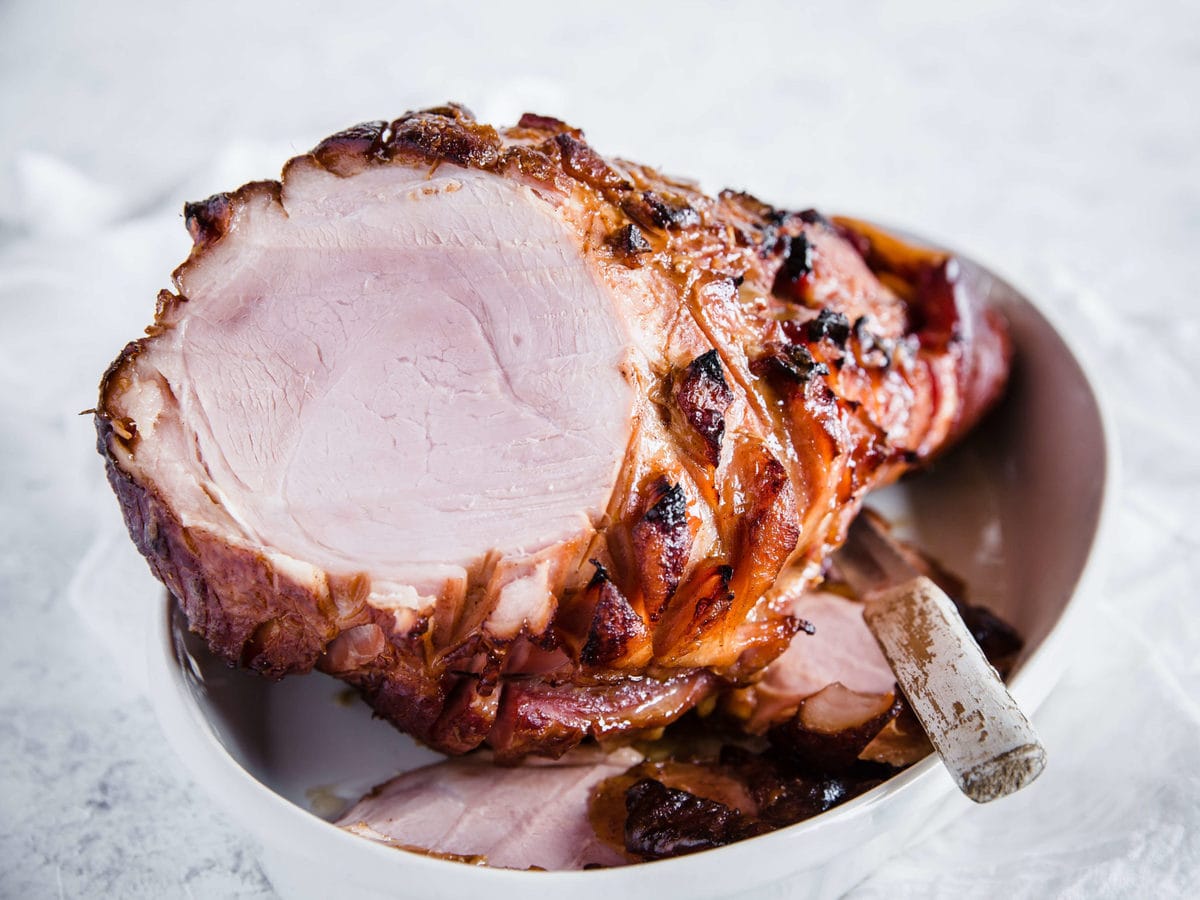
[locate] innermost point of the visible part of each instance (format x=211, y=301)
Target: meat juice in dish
x=529, y=445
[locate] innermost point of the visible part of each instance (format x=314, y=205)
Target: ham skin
x=516, y=438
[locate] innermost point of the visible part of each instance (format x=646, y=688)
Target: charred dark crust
x=814, y=217
x=207, y=220
x=615, y=627
x=691, y=801
x=445, y=134
x=829, y=325
x=661, y=543
x=669, y=512
x=798, y=257
x=584, y=163
x=793, y=363
x=785, y=795
x=599, y=577
x=629, y=242
x=663, y=822
x=703, y=398
x=752, y=206
x=402, y=694
x=339, y=152
x=652, y=209
x=872, y=351
x=708, y=366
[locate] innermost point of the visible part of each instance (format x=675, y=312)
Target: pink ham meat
x=394, y=393
x=515, y=438
x=507, y=817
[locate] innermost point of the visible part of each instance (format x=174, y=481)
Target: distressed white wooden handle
x=985, y=740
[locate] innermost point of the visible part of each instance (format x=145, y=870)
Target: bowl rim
x=265, y=813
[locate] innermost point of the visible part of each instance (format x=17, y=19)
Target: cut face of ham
x=400, y=393
x=518, y=439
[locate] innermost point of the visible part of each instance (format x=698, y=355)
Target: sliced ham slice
x=531, y=815
x=841, y=649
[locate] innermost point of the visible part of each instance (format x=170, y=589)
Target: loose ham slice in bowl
x=514, y=817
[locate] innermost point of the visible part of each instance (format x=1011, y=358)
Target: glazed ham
x=518, y=439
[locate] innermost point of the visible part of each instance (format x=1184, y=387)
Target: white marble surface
x=1058, y=141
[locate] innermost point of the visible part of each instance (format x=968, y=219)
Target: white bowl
x=1016, y=510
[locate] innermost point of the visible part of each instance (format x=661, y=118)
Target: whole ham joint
x=517, y=438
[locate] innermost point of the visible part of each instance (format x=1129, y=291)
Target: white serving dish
x=1017, y=510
